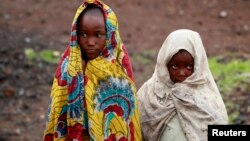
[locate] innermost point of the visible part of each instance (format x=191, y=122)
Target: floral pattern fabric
x=100, y=101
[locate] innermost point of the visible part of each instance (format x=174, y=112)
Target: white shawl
x=196, y=101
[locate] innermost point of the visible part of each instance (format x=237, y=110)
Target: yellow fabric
x=101, y=100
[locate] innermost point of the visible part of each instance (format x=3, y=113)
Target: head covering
x=196, y=101
x=100, y=101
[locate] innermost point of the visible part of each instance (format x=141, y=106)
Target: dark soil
x=25, y=84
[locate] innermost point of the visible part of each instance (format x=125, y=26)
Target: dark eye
x=174, y=67
x=190, y=67
x=99, y=35
x=83, y=34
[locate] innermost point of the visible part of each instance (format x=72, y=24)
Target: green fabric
x=173, y=131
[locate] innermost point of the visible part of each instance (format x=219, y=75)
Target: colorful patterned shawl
x=101, y=101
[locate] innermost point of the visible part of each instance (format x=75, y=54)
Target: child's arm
x=197, y=108
x=199, y=104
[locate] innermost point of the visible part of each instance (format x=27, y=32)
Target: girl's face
x=91, y=34
x=180, y=66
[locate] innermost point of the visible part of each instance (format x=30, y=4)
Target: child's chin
x=178, y=81
x=91, y=57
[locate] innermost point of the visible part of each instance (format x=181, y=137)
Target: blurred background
x=34, y=33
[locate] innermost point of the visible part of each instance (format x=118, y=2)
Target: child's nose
x=91, y=41
x=182, y=72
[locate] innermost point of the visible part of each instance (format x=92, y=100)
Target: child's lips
x=90, y=51
x=181, y=78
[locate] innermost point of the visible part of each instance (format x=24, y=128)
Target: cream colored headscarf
x=196, y=101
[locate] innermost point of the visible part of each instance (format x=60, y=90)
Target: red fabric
x=75, y=132
x=59, y=69
x=127, y=64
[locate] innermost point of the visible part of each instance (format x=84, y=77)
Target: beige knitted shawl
x=196, y=101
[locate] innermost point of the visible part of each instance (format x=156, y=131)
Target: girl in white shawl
x=181, y=99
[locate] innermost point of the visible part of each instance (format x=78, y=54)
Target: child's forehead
x=181, y=55
x=93, y=10
x=181, y=52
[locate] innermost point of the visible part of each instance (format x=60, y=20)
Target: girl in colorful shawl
x=181, y=99
x=93, y=93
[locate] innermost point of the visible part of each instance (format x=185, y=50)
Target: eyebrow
x=100, y=29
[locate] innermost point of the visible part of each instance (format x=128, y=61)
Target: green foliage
x=49, y=56
x=147, y=57
x=231, y=74
x=30, y=53
x=139, y=58
x=233, y=110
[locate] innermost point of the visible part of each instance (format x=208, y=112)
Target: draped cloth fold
x=99, y=102
x=196, y=101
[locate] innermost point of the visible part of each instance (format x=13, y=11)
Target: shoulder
x=145, y=90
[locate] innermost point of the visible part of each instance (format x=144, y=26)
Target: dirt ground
x=224, y=26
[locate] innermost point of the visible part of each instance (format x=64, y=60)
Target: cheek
x=81, y=42
x=190, y=72
x=171, y=73
x=102, y=44
x=103, y=41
